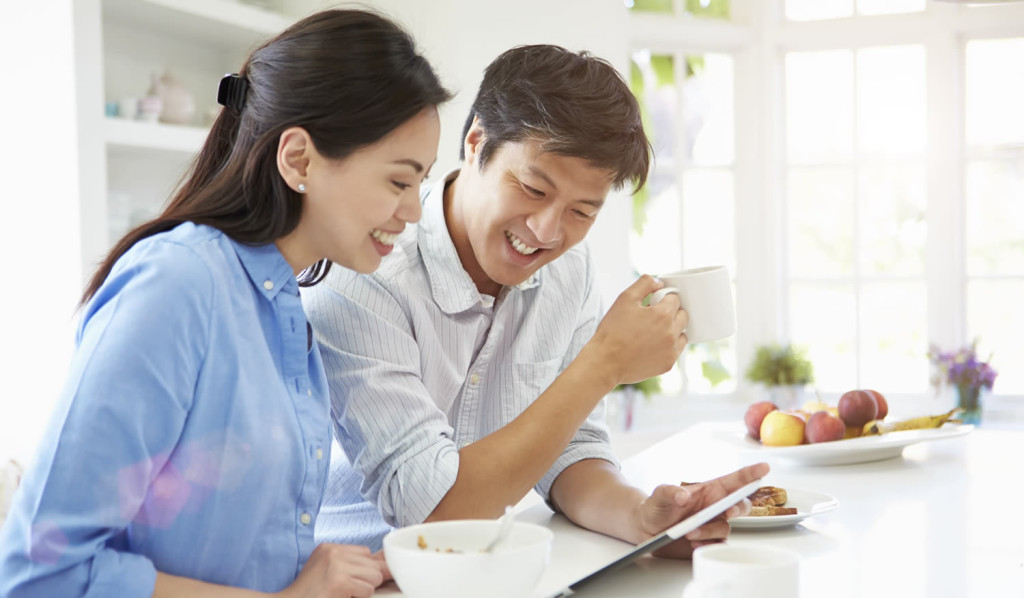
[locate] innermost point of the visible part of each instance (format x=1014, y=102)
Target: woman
x=190, y=449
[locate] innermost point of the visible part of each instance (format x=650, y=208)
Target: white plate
x=807, y=503
x=842, y=452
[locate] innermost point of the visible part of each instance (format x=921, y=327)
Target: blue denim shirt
x=192, y=436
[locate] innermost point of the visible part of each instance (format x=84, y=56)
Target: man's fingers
x=644, y=286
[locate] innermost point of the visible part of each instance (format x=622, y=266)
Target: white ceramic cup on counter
x=706, y=295
x=727, y=571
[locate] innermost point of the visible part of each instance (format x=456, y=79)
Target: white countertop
x=941, y=520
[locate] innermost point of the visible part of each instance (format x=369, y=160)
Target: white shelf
x=132, y=135
x=221, y=22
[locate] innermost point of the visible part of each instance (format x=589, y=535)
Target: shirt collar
x=269, y=272
x=452, y=288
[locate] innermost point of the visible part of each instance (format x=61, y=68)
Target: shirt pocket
x=530, y=379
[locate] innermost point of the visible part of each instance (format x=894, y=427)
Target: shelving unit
x=128, y=42
x=157, y=139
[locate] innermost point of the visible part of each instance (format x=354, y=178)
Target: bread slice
x=770, y=510
x=768, y=496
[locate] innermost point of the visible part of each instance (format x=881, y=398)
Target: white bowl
x=453, y=566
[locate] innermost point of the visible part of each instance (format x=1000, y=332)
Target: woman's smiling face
x=354, y=208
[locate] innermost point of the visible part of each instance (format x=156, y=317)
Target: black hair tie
x=231, y=92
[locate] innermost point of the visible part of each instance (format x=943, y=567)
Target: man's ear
x=294, y=152
x=474, y=141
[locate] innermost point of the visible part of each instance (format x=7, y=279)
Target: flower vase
x=627, y=407
x=968, y=398
x=786, y=397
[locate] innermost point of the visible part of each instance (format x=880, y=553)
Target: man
x=467, y=369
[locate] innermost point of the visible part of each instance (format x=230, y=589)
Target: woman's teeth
x=384, y=238
x=518, y=244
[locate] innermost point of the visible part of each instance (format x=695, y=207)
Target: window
x=685, y=216
x=855, y=222
x=887, y=210
x=993, y=204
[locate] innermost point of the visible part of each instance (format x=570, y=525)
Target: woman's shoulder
x=185, y=260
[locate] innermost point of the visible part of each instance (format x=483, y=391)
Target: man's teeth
x=384, y=238
x=518, y=245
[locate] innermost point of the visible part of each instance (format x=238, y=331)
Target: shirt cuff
x=576, y=451
x=121, y=574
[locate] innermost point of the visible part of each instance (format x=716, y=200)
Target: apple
x=823, y=427
x=813, y=406
x=781, y=428
x=857, y=407
x=883, y=405
x=755, y=415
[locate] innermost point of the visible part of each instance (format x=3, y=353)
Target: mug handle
x=660, y=294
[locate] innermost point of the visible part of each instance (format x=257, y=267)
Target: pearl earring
x=302, y=187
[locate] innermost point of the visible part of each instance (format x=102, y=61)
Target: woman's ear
x=474, y=141
x=294, y=152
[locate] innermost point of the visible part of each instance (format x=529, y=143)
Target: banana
x=877, y=426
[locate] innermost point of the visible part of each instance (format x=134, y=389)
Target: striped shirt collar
x=442, y=261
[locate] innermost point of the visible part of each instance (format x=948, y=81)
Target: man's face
x=521, y=211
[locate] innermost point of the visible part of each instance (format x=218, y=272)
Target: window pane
x=893, y=337
x=820, y=222
x=995, y=318
x=653, y=83
x=893, y=227
x=658, y=249
x=994, y=217
x=813, y=10
x=707, y=109
x=887, y=7
x=708, y=218
x=823, y=319
x=713, y=9
x=891, y=100
x=819, y=106
x=664, y=6
x=995, y=92
x=717, y=355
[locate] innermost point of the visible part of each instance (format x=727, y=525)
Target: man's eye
x=401, y=186
x=532, y=191
x=583, y=214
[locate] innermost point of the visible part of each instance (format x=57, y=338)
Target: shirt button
x=268, y=284
x=474, y=379
x=309, y=391
x=305, y=518
x=319, y=453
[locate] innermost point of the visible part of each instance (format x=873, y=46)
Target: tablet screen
x=670, y=535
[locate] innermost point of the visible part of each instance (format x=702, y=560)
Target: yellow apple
x=781, y=428
x=814, y=405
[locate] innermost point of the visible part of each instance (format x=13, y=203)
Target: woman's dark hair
x=348, y=77
x=573, y=104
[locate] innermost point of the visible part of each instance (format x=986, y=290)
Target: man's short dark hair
x=572, y=104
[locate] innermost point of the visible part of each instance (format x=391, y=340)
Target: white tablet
x=670, y=535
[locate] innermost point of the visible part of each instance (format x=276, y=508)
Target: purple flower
x=960, y=368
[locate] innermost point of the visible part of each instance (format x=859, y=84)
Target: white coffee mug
x=706, y=295
x=727, y=571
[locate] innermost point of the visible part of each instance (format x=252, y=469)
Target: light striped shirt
x=420, y=364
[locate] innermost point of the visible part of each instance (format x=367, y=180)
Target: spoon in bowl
x=505, y=525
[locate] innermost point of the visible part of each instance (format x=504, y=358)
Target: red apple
x=883, y=405
x=857, y=407
x=755, y=415
x=824, y=427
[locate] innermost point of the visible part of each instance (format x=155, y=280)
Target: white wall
x=39, y=230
